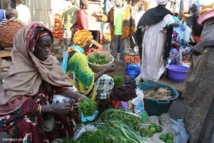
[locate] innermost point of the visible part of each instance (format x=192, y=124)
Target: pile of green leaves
x=119, y=114
x=118, y=80
x=87, y=107
x=114, y=131
x=98, y=59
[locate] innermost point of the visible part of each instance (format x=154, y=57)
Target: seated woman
x=75, y=64
x=26, y=110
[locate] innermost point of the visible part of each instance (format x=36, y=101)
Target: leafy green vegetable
x=87, y=107
x=118, y=81
x=98, y=59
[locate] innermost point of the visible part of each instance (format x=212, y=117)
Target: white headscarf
x=162, y=2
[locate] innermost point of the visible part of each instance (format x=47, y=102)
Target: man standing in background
x=122, y=26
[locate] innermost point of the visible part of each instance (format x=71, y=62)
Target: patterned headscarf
x=27, y=72
x=38, y=33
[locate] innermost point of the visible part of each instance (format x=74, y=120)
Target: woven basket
x=97, y=68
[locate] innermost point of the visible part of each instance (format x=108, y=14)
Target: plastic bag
x=181, y=133
x=138, y=101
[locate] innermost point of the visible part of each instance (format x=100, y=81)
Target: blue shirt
x=2, y=14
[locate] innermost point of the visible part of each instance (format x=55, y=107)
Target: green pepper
x=143, y=132
x=169, y=136
x=152, y=125
x=163, y=137
x=152, y=129
x=169, y=141
x=150, y=134
x=158, y=128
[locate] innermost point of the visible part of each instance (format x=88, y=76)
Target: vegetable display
x=87, y=107
x=98, y=58
x=58, y=29
x=167, y=138
x=114, y=131
x=118, y=81
x=153, y=128
x=117, y=114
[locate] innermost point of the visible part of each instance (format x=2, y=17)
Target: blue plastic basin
x=177, y=73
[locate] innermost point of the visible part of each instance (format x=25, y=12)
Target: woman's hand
x=82, y=97
x=61, y=108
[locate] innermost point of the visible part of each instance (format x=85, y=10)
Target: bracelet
x=40, y=109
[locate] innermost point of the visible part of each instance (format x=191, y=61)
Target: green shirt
x=119, y=23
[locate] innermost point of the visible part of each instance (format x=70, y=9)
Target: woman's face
x=42, y=48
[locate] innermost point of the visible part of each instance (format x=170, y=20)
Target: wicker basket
x=97, y=68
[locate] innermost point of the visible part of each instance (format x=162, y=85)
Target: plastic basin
x=155, y=106
x=177, y=73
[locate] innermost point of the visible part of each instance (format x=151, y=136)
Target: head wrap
x=27, y=72
x=81, y=37
x=162, y=2
x=204, y=17
x=38, y=32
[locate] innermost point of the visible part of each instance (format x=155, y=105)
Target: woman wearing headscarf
x=199, y=91
x=75, y=64
x=154, y=35
x=26, y=109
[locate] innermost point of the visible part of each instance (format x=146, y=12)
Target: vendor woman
x=26, y=110
x=75, y=64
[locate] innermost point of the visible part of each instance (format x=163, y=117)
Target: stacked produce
x=119, y=126
x=98, y=59
x=132, y=59
x=8, y=31
x=58, y=28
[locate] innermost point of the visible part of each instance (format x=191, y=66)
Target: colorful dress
x=27, y=125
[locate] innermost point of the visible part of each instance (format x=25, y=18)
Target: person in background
x=122, y=26
x=24, y=14
x=138, y=11
x=82, y=22
x=107, y=6
x=69, y=21
x=8, y=14
x=180, y=29
x=199, y=92
x=98, y=85
x=194, y=5
x=27, y=111
x=154, y=35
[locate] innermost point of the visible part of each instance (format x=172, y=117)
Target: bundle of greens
x=118, y=80
x=118, y=114
x=87, y=107
x=114, y=131
x=99, y=59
